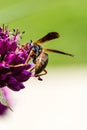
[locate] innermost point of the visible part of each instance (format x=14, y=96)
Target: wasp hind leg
x=41, y=74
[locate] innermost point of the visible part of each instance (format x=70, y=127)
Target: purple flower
x=23, y=76
x=15, y=64
x=16, y=58
x=13, y=84
x=13, y=68
x=6, y=43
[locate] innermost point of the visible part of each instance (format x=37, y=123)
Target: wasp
x=39, y=55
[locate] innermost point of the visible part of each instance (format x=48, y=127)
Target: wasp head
x=35, y=51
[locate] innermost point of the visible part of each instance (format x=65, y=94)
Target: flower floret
x=13, y=68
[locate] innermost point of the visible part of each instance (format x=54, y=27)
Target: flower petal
x=3, y=47
x=23, y=76
x=2, y=109
x=13, y=84
x=13, y=46
x=4, y=101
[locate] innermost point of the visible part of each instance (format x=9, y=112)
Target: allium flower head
x=13, y=70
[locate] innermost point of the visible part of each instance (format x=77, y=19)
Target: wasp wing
x=59, y=52
x=3, y=100
x=48, y=37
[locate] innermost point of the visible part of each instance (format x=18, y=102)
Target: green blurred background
x=37, y=18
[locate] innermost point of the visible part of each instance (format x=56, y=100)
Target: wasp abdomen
x=41, y=62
